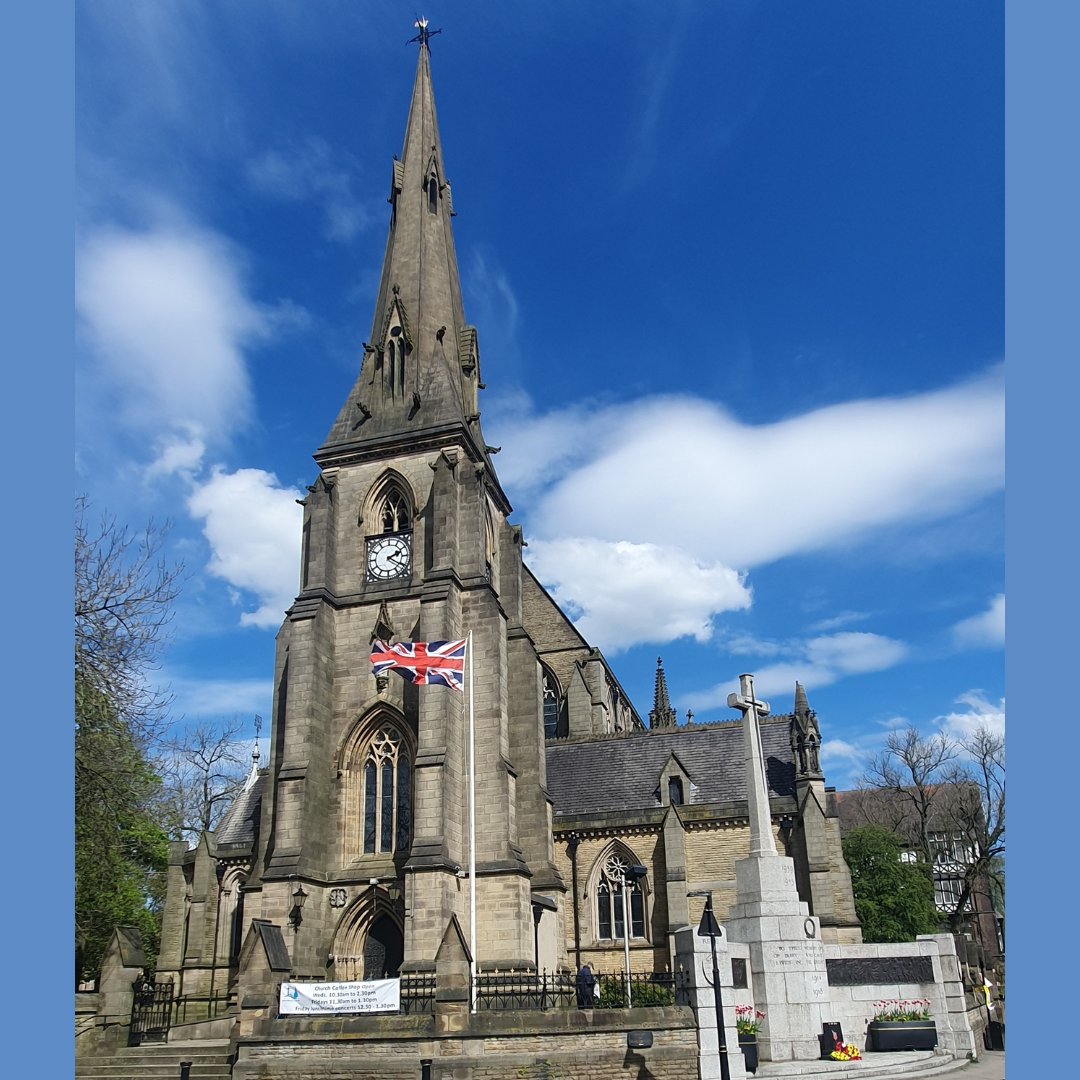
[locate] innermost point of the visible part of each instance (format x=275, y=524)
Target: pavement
x=990, y=1066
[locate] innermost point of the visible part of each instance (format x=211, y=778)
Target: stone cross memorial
x=787, y=958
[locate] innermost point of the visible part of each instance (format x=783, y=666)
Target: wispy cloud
x=985, y=629
x=815, y=662
x=979, y=712
x=313, y=172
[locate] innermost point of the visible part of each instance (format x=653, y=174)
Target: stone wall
x=565, y=1044
x=860, y=975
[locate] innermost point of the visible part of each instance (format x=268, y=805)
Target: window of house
x=387, y=794
x=675, y=790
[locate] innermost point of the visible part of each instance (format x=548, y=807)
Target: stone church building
x=353, y=841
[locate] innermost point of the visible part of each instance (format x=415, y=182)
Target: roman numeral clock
x=388, y=557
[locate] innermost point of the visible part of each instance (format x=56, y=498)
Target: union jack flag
x=425, y=663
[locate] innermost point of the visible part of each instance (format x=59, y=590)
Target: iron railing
x=524, y=990
x=558, y=990
x=417, y=993
x=191, y=1008
x=647, y=989
x=151, y=1010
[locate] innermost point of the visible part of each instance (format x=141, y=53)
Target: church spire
x=420, y=369
x=805, y=737
x=662, y=714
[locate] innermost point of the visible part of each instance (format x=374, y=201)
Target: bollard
x=185, y=1070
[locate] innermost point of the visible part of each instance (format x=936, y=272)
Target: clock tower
x=406, y=538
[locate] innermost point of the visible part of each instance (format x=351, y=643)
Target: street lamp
x=617, y=870
x=710, y=928
x=298, y=898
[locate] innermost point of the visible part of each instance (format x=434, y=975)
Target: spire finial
x=662, y=713
x=425, y=34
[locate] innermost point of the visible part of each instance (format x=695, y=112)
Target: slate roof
x=623, y=772
x=241, y=821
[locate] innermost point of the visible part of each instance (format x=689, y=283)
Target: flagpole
x=472, y=832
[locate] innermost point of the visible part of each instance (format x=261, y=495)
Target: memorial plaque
x=738, y=973
x=871, y=970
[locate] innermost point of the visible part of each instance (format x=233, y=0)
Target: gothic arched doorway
x=384, y=949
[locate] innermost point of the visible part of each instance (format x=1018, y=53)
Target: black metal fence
x=151, y=1010
x=417, y=993
x=191, y=1008
x=558, y=990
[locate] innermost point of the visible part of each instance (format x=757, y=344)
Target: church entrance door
x=384, y=949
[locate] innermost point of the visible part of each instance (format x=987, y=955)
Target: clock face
x=388, y=557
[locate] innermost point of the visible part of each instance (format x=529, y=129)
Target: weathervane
x=425, y=34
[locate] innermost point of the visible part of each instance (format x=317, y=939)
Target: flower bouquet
x=748, y=1020
x=846, y=1052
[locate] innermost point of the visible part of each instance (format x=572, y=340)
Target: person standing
x=585, y=983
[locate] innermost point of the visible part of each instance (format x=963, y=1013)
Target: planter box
x=748, y=1046
x=888, y=1035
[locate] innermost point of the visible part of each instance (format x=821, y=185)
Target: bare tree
x=204, y=770
x=946, y=798
x=124, y=591
x=910, y=768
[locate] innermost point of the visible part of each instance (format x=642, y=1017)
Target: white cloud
x=168, y=317
x=986, y=628
x=252, y=524
x=980, y=712
x=195, y=698
x=816, y=662
x=311, y=172
x=634, y=473
x=623, y=594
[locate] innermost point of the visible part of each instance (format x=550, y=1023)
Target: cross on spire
x=425, y=34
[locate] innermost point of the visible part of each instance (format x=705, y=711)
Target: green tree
x=894, y=899
x=124, y=590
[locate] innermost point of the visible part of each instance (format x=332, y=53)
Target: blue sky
x=738, y=279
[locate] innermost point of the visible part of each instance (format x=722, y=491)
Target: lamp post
x=710, y=928
x=617, y=870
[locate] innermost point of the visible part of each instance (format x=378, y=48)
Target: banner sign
x=377, y=995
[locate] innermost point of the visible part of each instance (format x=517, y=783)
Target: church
x=355, y=837
x=469, y=844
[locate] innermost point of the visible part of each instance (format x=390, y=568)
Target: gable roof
x=620, y=772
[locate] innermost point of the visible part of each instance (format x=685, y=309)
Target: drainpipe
x=572, y=842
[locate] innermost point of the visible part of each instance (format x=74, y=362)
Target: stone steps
x=909, y=1064
x=209, y=1061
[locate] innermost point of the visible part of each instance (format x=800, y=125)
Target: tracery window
x=610, y=920
x=395, y=512
x=387, y=794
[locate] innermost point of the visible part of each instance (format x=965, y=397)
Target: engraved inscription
x=793, y=955
x=868, y=970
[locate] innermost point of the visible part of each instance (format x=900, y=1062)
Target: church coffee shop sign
x=374, y=996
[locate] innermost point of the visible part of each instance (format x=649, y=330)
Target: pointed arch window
x=387, y=794
x=395, y=512
x=388, y=549
x=554, y=725
x=395, y=362
x=675, y=790
x=433, y=194
x=614, y=877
